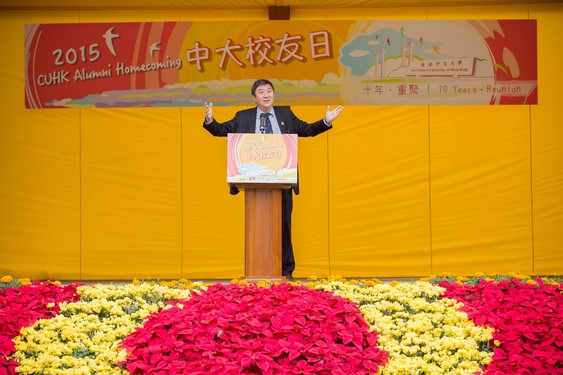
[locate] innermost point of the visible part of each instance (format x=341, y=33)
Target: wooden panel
x=263, y=234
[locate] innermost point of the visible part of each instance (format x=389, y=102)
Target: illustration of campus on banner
x=368, y=62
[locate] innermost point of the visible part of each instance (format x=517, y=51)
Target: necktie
x=268, y=124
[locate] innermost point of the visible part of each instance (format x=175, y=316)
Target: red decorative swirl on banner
x=63, y=61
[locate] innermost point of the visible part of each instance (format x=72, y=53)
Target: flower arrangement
x=422, y=332
x=24, y=305
x=527, y=318
x=441, y=325
x=83, y=337
x=233, y=329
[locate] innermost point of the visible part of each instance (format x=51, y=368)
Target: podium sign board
x=262, y=158
x=262, y=165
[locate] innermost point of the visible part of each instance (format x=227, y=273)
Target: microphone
x=262, y=123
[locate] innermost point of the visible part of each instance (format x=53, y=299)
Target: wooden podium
x=269, y=165
x=263, y=233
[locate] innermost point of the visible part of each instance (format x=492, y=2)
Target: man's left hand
x=330, y=116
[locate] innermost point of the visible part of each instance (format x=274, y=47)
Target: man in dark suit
x=265, y=118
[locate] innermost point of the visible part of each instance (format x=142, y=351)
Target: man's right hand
x=208, y=112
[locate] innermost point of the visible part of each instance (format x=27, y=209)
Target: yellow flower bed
x=84, y=336
x=423, y=334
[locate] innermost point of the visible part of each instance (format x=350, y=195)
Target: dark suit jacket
x=245, y=122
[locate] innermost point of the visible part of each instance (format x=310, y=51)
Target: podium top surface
x=254, y=185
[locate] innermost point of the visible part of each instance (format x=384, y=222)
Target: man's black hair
x=261, y=82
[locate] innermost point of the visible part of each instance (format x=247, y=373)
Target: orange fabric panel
x=39, y=194
x=213, y=220
x=379, y=208
x=39, y=172
x=480, y=189
x=131, y=193
x=547, y=146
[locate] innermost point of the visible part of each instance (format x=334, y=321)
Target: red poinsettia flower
x=528, y=323
x=21, y=307
x=233, y=329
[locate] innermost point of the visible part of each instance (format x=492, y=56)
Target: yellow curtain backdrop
x=480, y=189
x=379, y=192
x=546, y=145
x=391, y=191
x=131, y=193
x=39, y=170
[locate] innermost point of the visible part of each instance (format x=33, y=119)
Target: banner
x=367, y=62
x=262, y=158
